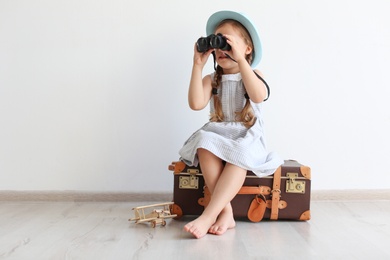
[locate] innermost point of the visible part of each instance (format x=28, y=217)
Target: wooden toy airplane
x=157, y=215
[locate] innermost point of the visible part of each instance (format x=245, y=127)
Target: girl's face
x=239, y=48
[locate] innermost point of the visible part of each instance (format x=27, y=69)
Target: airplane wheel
x=163, y=223
x=153, y=224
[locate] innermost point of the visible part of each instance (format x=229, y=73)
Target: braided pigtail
x=217, y=116
x=246, y=116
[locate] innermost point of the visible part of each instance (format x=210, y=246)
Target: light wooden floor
x=101, y=230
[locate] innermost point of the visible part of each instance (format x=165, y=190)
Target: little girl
x=232, y=142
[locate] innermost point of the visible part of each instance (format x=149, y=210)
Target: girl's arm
x=199, y=92
x=255, y=88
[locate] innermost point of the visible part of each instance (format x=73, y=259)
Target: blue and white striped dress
x=230, y=140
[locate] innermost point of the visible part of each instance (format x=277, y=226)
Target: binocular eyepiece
x=212, y=42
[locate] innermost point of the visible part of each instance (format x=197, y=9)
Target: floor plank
x=101, y=230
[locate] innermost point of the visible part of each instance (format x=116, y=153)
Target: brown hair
x=246, y=116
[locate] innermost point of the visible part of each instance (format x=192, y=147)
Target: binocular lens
x=216, y=42
x=203, y=44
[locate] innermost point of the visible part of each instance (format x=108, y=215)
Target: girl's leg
x=224, y=222
x=228, y=185
x=223, y=187
x=212, y=168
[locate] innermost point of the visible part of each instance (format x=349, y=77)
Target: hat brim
x=216, y=18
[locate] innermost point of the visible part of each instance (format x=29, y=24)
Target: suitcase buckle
x=189, y=182
x=294, y=186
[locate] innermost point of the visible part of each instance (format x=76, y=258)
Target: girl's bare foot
x=224, y=222
x=199, y=227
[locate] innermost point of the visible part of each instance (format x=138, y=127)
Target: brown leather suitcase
x=284, y=195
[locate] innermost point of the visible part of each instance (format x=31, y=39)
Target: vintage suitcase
x=284, y=195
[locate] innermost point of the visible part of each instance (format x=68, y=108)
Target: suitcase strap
x=245, y=190
x=276, y=194
x=254, y=190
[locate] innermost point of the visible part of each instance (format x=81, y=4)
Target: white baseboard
x=316, y=195
x=350, y=195
x=82, y=196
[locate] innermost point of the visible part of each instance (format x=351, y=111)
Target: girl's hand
x=239, y=48
x=200, y=58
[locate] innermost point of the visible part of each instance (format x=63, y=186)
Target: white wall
x=93, y=94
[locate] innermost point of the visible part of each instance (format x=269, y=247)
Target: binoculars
x=212, y=42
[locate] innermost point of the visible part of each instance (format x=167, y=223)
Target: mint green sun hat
x=216, y=18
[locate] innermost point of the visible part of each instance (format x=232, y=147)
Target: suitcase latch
x=294, y=186
x=189, y=182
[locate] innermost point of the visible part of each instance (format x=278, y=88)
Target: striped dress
x=230, y=140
